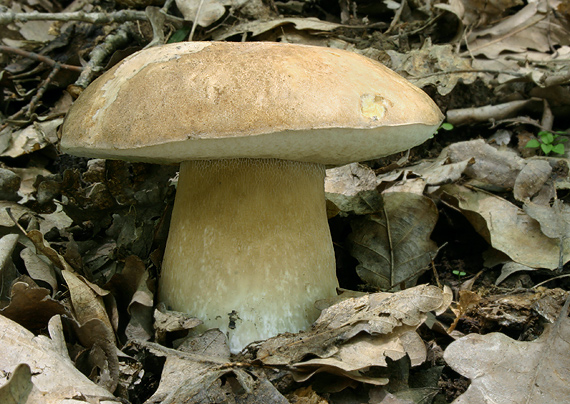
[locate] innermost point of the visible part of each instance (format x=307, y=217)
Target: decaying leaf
x=352, y=189
x=210, y=10
x=166, y=321
x=31, y=306
x=8, y=272
x=259, y=27
x=53, y=375
x=506, y=227
x=357, y=335
x=529, y=28
x=510, y=268
x=86, y=299
x=39, y=269
x=554, y=220
x=491, y=166
x=505, y=371
x=393, y=245
x=200, y=371
x=531, y=179
x=32, y=138
x=435, y=65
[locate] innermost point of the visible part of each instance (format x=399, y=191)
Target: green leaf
x=446, y=126
x=546, y=148
x=180, y=35
x=562, y=140
x=558, y=149
x=532, y=143
x=546, y=137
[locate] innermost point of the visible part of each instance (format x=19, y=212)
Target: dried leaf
x=356, y=334
x=506, y=227
x=38, y=269
x=437, y=65
x=259, y=27
x=394, y=245
x=352, y=189
x=554, y=221
x=8, y=272
x=87, y=300
x=491, y=166
x=53, y=373
x=530, y=28
x=505, y=371
x=31, y=306
x=531, y=179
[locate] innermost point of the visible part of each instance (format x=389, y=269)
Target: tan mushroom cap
x=218, y=100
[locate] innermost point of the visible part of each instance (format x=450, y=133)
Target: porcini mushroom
x=253, y=125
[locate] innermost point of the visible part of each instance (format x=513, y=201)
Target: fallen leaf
x=496, y=167
x=52, y=372
x=357, y=335
x=31, y=306
x=437, y=65
x=256, y=28
x=531, y=179
x=506, y=227
x=352, y=189
x=393, y=246
x=505, y=371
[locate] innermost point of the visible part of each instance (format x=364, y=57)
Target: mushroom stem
x=249, y=249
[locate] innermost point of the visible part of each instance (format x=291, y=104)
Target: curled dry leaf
x=8, y=272
x=38, y=268
x=352, y=189
x=31, y=306
x=55, y=378
x=194, y=373
x=423, y=67
x=510, y=268
x=505, y=371
x=529, y=28
x=394, y=245
x=357, y=334
x=86, y=299
x=100, y=340
x=32, y=138
x=491, y=166
x=531, y=179
x=171, y=321
x=259, y=27
x=506, y=227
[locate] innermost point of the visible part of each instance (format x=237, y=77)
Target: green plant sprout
x=459, y=274
x=549, y=142
x=445, y=126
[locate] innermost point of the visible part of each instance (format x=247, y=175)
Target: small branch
x=99, y=54
x=39, y=58
x=41, y=90
x=8, y=17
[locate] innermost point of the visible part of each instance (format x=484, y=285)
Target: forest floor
x=465, y=240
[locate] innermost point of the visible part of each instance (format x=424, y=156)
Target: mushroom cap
x=219, y=100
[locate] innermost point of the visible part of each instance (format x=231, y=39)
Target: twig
x=39, y=58
x=8, y=17
x=195, y=22
x=29, y=109
x=41, y=90
x=120, y=38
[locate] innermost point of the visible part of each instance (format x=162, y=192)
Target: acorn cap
x=220, y=100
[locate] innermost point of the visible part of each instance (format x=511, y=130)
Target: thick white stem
x=249, y=249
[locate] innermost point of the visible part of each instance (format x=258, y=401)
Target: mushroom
x=253, y=125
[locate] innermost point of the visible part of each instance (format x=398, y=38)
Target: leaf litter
x=84, y=273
